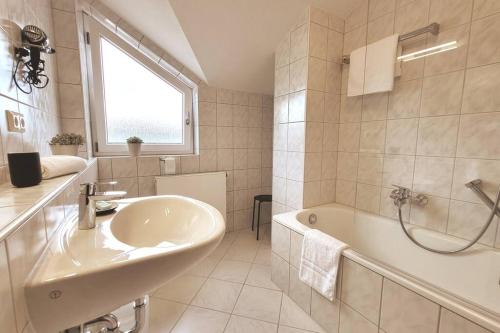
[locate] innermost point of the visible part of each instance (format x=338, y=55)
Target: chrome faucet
x=87, y=203
x=402, y=195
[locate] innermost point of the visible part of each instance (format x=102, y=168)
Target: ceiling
x=227, y=43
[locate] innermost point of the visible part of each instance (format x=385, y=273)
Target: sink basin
x=87, y=273
x=143, y=224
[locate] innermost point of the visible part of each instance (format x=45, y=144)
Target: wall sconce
x=34, y=42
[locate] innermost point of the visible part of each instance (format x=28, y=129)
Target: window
x=133, y=96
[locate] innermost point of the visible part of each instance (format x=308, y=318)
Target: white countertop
x=19, y=204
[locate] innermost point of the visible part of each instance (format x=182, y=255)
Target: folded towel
x=60, y=165
x=320, y=261
x=356, y=80
x=380, y=65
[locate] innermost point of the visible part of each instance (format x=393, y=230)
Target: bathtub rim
x=475, y=313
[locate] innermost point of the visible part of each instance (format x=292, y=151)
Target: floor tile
x=196, y=320
x=293, y=316
x=181, y=289
x=203, y=268
x=286, y=329
x=219, y=253
x=246, y=235
x=229, y=238
x=218, y=295
x=263, y=256
x=239, y=324
x=230, y=270
x=260, y=276
x=163, y=314
x=259, y=303
x=242, y=251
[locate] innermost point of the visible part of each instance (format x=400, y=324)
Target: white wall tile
x=452, y=323
x=299, y=43
x=54, y=214
x=146, y=186
x=24, y=247
x=437, y=136
x=7, y=319
x=299, y=292
x=406, y=311
x=324, y=312
x=352, y=321
x=467, y=219
x=148, y=166
x=280, y=272
x=477, y=136
x=433, y=175
x=124, y=167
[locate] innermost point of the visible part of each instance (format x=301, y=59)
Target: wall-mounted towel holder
x=433, y=28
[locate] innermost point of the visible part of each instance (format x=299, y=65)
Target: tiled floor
x=230, y=291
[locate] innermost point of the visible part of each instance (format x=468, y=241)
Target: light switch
x=15, y=121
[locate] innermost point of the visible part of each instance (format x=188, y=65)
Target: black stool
x=260, y=198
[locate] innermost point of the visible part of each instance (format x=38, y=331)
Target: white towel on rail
x=356, y=80
x=320, y=260
x=60, y=165
x=380, y=65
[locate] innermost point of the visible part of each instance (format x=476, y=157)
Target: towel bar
x=433, y=28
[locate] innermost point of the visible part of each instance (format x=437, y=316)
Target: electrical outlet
x=15, y=122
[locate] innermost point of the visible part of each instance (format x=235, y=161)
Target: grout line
x=359, y=313
x=438, y=326
x=380, y=303
x=281, y=307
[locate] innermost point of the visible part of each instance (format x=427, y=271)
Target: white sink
x=87, y=273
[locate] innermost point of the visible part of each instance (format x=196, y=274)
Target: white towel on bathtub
x=320, y=261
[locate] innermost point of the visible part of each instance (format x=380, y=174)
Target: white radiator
x=207, y=187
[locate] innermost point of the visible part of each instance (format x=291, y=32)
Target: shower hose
x=465, y=247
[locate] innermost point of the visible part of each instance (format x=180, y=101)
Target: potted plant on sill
x=66, y=144
x=134, y=145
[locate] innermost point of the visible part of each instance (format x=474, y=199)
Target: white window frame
x=95, y=31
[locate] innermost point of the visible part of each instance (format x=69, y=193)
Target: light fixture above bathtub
x=429, y=51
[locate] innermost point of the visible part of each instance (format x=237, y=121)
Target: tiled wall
x=21, y=249
x=39, y=108
x=71, y=84
x=235, y=135
x=365, y=302
x=235, y=128
x=307, y=104
x=440, y=126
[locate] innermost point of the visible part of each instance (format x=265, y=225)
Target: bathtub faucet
x=402, y=195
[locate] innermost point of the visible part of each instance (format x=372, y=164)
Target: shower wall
x=307, y=104
x=438, y=129
x=440, y=126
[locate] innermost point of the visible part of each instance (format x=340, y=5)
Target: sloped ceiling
x=157, y=20
x=228, y=43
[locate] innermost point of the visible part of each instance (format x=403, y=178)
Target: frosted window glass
x=137, y=102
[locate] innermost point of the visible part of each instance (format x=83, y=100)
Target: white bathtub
x=468, y=283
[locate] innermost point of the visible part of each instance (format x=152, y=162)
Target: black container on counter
x=25, y=169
